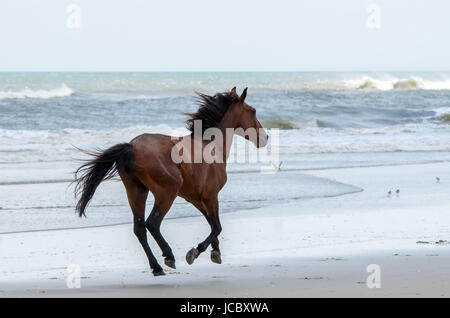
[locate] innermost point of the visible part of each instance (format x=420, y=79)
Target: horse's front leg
x=210, y=210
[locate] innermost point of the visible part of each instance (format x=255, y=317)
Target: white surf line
x=34, y=161
x=61, y=207
x=357, y=189
x=126, y=205
x=36, y=181
x=371, y=166
x=66, y=228
x=247, y=171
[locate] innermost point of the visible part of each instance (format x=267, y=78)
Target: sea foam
x=60, y=145
x=413, y=82
x=61, y=91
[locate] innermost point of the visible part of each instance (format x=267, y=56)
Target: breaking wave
x=442, y=114
x=369, y=83
x=292, y=124
x=61, y=91
x=445, y=118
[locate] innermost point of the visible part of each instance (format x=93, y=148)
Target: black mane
x=211, y=109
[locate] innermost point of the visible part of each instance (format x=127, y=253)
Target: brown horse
x=147, y=163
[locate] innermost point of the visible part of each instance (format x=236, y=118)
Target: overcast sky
x=224, y=35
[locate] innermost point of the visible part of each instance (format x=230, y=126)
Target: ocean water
x=325, y=120
x=43, y=114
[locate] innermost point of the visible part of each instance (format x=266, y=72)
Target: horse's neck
x=227, y=127
x=224, y=144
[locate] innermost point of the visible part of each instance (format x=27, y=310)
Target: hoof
x=215, y=257
x=192, y=255
x=159, y=273
x=170, y=263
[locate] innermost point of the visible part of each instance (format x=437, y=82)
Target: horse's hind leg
x=212, y=216
x=137, y=195
x=153, y=223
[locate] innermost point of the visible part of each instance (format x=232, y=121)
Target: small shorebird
x=389, y=193
x=438, y=179
x=277, y=168
x=397, y=192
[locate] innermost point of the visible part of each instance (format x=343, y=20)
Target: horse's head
x=248, y=126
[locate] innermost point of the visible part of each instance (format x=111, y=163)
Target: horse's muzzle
x=262, y=141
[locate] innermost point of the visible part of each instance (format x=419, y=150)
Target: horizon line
x=232, y=71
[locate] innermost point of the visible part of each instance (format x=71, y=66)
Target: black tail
x=104, y=166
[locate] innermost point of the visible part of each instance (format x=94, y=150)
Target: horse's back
x=154, y=165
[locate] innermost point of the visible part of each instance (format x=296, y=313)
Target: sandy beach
x=317, y=247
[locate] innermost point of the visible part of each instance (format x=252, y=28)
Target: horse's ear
x=233, y=90
x=244, y=95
